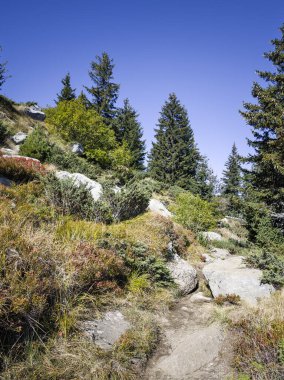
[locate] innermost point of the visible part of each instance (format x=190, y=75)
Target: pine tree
x=3, y=72
x=267, y=122
x=205, y=178
x=67, y=92
x=174, y=156
x=104, y=93
x=128, y=130
x=232, y=174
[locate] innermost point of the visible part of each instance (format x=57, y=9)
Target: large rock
x=106, y=331
x=231, y=276
x=159, y=208
x=184, y=275
x=95, y=188
x=35, y=113
x=211, y=236
x=19, y=137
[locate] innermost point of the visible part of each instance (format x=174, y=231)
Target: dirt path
x=193, y=346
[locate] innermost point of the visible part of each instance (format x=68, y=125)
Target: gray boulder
x=35, y=113
x=159, y=208
x=5, y=182
x=19, y=137
x=77, y=148
x=210, y=236
x=231, y=276
x=95, y=188
x=184, y=275
x=106, y=331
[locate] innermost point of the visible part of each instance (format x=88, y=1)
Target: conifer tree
x=3, y=72
x=67, y=92
x=128, y=130
x=205, y=178
x=104, y=92
x=174, y=156
x=232, y=174
x=265, y=117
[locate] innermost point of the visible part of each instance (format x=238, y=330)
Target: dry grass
x=259, y=340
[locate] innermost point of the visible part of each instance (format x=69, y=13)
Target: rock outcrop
x=35, y=113
x=158, y=207
x=184, y=275
x=231, y=276
x=106, y=331
x=95, y=188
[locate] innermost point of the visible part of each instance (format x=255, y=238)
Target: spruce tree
x=67, y=92
x=3, y=72
x=174, y=156
x=128, y=130
x=265, y=117
x=205, y=178
x=104, y=92
x=232, y=174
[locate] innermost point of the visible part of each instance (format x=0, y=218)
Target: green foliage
x=232, y=174
x=128, y=130
x=139, y=283
x=3, y=72
x=67, y=92
x=3, y=132
x=68, y=198
x=174, y=156
x=194, y=213
x=37, y=145
x=205, y=179
x=74, y=122
x=104, y=92
x=132, y=201
x=266, y=120
x=71, y=162
x=271, y=264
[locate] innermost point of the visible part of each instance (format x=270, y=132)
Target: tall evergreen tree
x=67, y=92
x=174, y=156
x=128, y=129
x=104, y=92
x=205, y=178
x=3, y=72
x=267, y=122
x=232, y=174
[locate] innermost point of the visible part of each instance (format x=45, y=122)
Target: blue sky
x=206, y=51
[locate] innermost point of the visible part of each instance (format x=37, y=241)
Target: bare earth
x=194, y=346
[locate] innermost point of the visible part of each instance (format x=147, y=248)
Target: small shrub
x=20, y=169
x=37, y=145
x=194, y=213
x=271, y=264
x=68, y=198
x=3, y=132
x=139, y=283
x=132, y=201
x=228, y=298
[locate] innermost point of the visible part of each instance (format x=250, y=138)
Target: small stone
x=5, y=182
x=199, y=298
x=211, y=236
x=19, y=137
x=77, y=148
x=159, y=208
x=183, y=274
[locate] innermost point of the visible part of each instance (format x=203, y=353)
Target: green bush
x=74, y=164
x=3, y=132
x=132, y=201
x=74, y=122
x=194, y=213
x=271, y=264
x=68, y=198
x=37, y=145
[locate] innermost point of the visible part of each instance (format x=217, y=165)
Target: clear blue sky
x=206, y=51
